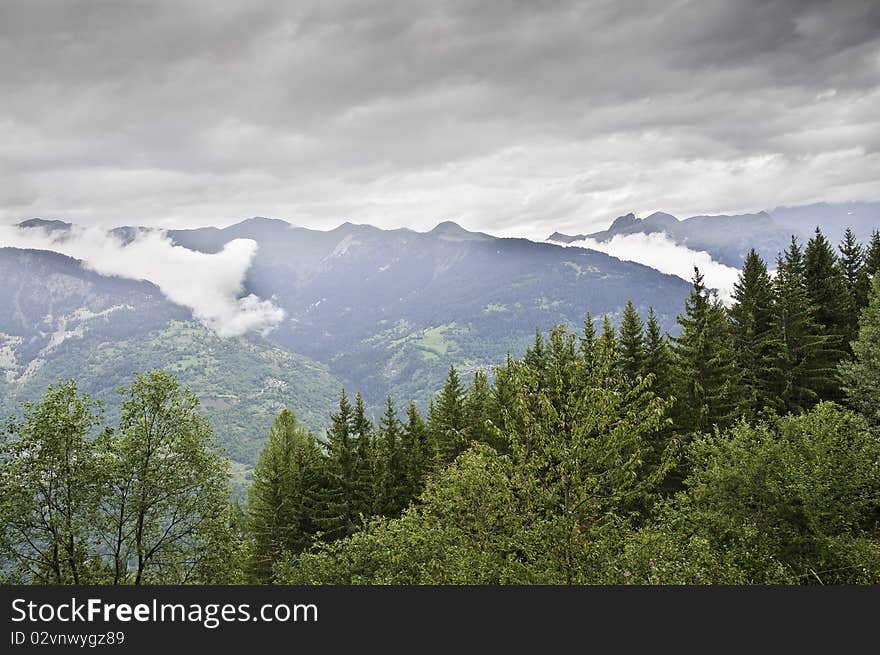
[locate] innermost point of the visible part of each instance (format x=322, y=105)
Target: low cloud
x=658, y=251
x=211, y=285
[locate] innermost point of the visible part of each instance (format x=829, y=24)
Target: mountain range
x=728, y=238
x=376, y=311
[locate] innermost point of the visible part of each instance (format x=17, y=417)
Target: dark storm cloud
x=513, y=117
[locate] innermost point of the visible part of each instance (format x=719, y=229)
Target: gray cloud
x=514, y=117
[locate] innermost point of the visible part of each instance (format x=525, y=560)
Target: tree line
x=743, y=450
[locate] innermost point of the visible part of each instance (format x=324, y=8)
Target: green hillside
x=242, y=382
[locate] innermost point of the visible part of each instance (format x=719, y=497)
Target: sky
x=510, y=117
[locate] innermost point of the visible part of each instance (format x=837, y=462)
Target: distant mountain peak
x=264, y=221
x=449, y=227
x=452, y=231
x=45, y=224
x=624, y=221
x=660, y=218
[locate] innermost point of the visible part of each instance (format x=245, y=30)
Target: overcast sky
x=509, y=117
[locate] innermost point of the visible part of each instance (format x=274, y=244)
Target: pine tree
x=861, y=377
x=872, y=255
x=446, y=422
x=368, y=467
x=606, y=347
x=631, y=343
x=751, y=318
x=657, y=357
x=390, y=462
x=534, y=355
x=855, y=274
x=477, y=409
x=826, y=289
x=415, y=453
x=502, y=397
x=800, y=363
x=705, y=374
x=283, y=495
x=340, y=505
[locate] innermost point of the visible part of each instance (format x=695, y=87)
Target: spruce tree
x=872, y=255
x=446, y=422
x=339, y=513
x=861, y=377
x=751, y=319
x=631, y=343
x=368, y=467
x=477, y=409
x=706, y=384
x=415, y=453
x=606, y=347
x=534, y=355
x=502, y=397
x=657, y=357
x=283, y=495
x=855, y=274
x=800, y=368
x=390, y=458
x=826, y=289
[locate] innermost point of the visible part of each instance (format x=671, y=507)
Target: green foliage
x=446, y=422
x=578, y=443
x=855, y=275
x=658, y=360
x=169, y=487
x=872, y=255
x=706, y=384
x=801, y=364
x=242, y=382
x=145, y=504
x=827, y=291
x=341, y=504
x=283, y=497
x=50, y=486
x=861, y=377
x=791, y=500
x=751, y=318
x=632, y=342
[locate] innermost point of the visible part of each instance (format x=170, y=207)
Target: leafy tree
x=283, y=495
x=167, y=500
x=792, y=500
x=861, y=377
x=751, y=318
x=50, y=479
x=632, y=342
